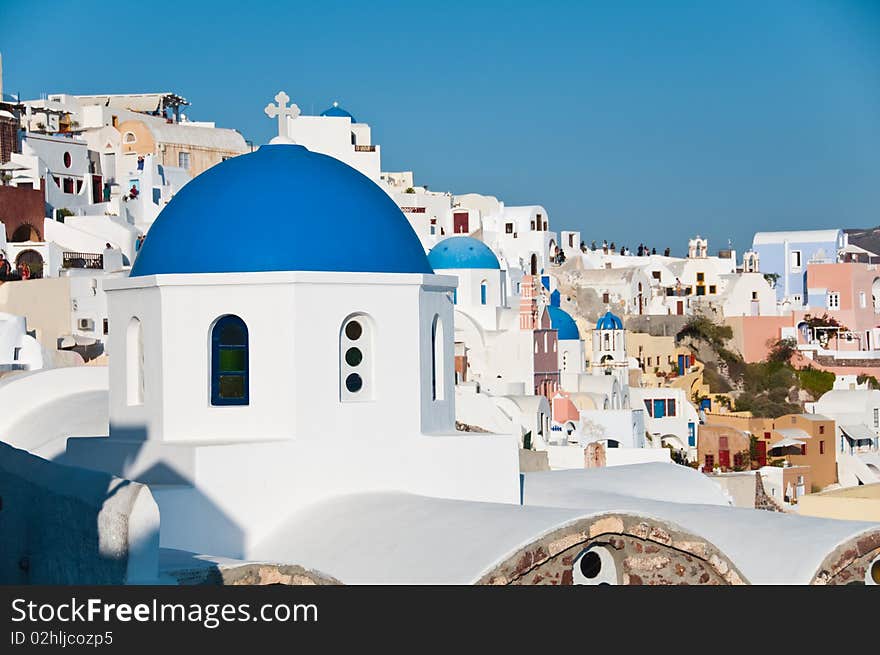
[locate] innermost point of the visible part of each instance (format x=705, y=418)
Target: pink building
x=846, y=292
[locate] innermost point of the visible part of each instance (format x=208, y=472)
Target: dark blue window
x=483, y=293
x=229, y=362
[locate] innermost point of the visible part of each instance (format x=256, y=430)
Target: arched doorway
x=534, y=264
x=804, y=332
x=33, y=260
x=25, y=232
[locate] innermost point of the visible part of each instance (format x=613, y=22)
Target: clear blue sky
x=632, y=121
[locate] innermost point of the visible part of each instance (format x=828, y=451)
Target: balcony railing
x=82, y=260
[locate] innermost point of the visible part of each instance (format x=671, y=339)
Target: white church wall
x=622, y=425
x=293, y=359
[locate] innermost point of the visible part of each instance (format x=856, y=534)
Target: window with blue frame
x=229, y=362
x=692, y=435
x=483, y=288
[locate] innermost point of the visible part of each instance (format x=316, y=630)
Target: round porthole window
x=353, y=356
x=354, y=330
x=590, y=565
x=353, y=383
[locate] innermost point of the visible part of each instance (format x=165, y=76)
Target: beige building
x=860, y=503
x=194, y=147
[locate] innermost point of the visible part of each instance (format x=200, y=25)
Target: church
x=294, y=405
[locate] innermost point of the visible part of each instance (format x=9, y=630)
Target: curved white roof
x=421, y=540
x=768, y=547
x=847, y=400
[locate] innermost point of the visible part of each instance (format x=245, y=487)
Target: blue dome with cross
x=462, y=252
x=293, y=199
x=337, y=112
x=609, y=322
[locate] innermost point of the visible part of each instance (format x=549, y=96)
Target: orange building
x=723, y=446
x=800, y=439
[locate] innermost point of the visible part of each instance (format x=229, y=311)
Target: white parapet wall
x=63, y=525
x=572, y=457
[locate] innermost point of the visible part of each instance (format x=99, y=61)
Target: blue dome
x=281, y=208
x=337, y=112
x=462, y=252
x=563, y=323
x=609, y=322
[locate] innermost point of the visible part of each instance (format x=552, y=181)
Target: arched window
x=484, y=287
x=437, y=367
x=607, y=341
x=134, y=362
x=129, y=137
x=356, y=358
x=229, y=362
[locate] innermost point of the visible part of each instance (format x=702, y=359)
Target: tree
x=782, y=350
x=771, y=278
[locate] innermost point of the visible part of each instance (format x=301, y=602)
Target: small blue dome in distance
x=609, y=322
x=563, y=323
x=462, y=252
x=337, y=112
x=271, y=210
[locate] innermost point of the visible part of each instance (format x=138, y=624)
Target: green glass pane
x=232, y=359
x=353, y=356
x=232, y=386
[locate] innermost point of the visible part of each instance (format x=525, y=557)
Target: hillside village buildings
x=459, y=368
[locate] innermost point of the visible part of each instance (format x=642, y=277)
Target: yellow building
x=860, y=503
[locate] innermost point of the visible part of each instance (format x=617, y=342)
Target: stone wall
x=533, y=460
x=849, y=563
x=658, y=326
x=644, y=553
x=63, y=525
x=249, y=574
x=762, y=499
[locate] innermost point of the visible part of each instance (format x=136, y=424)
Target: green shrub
x=814, y=381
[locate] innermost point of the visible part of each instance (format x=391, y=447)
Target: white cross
x=282, y=111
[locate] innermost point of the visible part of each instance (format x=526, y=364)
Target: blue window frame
x=229, y=362
x=483, y=293
x=692, y=434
